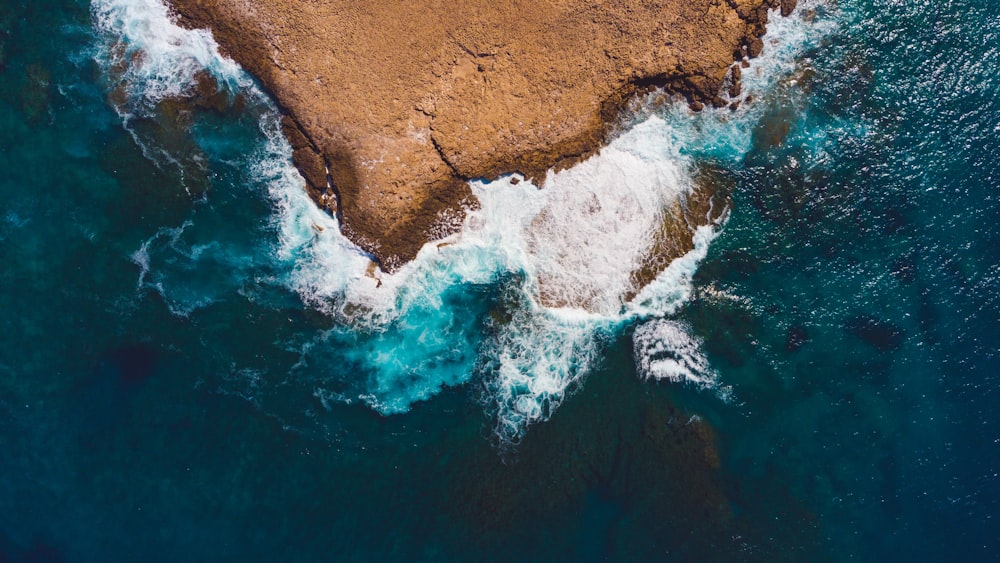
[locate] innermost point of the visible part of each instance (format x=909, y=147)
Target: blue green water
x=189, y=369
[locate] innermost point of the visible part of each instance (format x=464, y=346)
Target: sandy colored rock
x=392, y=105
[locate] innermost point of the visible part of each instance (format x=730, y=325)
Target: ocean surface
x=196, y=365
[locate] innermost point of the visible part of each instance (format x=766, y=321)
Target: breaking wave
x=521, y=298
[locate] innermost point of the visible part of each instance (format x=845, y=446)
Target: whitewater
x=470, y=307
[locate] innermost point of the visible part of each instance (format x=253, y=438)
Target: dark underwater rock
x=881, y=335
x=795, y=338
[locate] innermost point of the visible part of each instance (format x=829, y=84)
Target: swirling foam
x=575, y=243
x=159, y=59
x=666, y=350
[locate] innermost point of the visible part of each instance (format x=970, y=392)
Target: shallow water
x=191, y=368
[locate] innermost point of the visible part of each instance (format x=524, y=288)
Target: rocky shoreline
x=391, y=107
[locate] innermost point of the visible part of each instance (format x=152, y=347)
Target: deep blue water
x=177, y=380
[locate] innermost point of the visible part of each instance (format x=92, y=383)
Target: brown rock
x=787, y=7
x=707, y=203
x=402, y=102
x=736, y=88
x=310, y=163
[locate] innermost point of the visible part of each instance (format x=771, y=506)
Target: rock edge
x=392, y=106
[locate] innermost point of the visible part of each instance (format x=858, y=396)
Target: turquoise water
x=194, y=365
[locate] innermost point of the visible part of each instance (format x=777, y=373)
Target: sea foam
x=159, y=58
x=556, y=262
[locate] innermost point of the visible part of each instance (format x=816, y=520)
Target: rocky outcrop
x=392, y=105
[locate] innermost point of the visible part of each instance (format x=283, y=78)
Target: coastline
x=387, y=138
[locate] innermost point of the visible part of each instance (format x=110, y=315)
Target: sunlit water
x=197, y=364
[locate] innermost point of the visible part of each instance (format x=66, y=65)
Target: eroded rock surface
x=392, y=105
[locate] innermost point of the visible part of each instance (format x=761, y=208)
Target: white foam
x=537, y=358
x=787, y=39
x=598, y=218
x=574, y=243
x=672, y=287
x=160, y=59
x=328, y=267
x=666, y=350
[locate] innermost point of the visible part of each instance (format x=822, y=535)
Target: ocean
x=195, y=364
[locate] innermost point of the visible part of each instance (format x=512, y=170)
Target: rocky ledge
x=392, y=105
